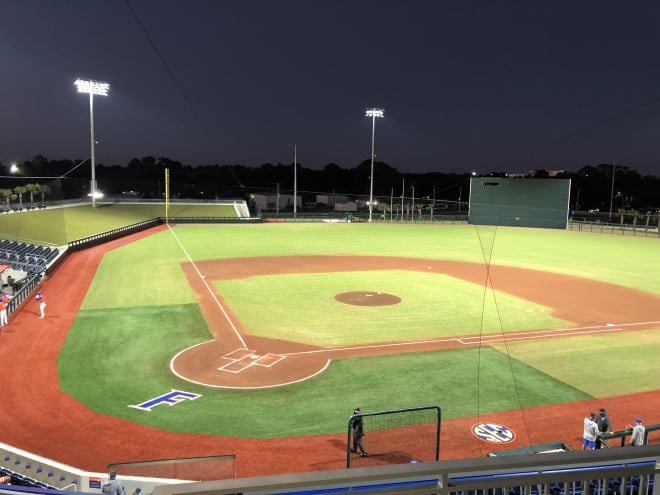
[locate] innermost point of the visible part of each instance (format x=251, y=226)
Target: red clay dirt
x=38, y=417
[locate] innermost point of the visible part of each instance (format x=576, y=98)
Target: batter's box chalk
x=235, y=366
x=269, y=360
x=239, y=354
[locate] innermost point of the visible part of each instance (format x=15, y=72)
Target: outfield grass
x=139, y=312
x=58, y=226
x=627, y=261
x=602, y=365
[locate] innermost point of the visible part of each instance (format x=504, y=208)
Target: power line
x=172, y=75
x=578, y=132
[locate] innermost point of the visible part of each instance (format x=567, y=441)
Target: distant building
x=269, y=201
x=346, y=206
x=331, y=199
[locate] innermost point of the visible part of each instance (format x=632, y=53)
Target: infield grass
x=432, y=306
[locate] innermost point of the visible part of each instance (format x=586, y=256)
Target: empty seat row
x=26, y=257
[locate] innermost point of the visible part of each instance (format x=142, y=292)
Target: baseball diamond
x=296, y=362
x=36, y=408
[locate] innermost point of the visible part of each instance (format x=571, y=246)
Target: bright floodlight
x=92, y=87
x=374, y=112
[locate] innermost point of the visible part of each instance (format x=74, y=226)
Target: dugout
x=519, y=202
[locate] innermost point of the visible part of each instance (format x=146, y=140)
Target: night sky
x=466, y=85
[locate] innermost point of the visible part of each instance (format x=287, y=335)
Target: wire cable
x=489, y=282
x=174, y=78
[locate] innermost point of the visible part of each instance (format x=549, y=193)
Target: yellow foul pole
x=167, y=195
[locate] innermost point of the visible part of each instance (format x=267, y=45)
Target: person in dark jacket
x=358, y=432
x=604, y=424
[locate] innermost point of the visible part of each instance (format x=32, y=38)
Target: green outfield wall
x=519, y=202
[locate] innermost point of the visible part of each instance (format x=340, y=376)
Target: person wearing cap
x=638, y=432
x=357, y=427
x=114, y=486
x=42, y=304
x=590, y=433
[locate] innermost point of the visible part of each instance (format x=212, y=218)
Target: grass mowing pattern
x=122, y=353
x=58, y=226
x=625, y=358
x=450, y=377
x=146, y=273
x=432, y=306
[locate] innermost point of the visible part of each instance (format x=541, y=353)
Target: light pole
x=612, y=191
x=373, y=113
x=93, y=88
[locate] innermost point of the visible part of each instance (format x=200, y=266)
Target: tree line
x=598, y=186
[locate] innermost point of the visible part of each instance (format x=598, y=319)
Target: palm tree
x=32, y=188
x=20, y=190
x=7, y=196
x=43, y=190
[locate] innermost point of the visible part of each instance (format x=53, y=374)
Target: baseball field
x=273, y=333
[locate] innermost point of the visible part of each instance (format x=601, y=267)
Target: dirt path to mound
x=38, y=417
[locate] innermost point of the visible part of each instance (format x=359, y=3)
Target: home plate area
x=241, y=359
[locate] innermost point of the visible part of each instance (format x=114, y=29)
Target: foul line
x=477, y=340
x=208, y=288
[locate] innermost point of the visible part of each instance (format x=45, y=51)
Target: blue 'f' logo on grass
x=171, y=398
x=492, y=432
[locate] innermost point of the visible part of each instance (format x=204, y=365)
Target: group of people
x=4, y=302
x=595, y=425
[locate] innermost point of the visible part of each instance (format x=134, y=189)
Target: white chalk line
x=241, y=387
x=490, y=338
x=209, y=289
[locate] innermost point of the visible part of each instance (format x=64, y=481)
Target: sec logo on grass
x=494, y=433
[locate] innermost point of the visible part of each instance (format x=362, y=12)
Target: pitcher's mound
x=368, y=298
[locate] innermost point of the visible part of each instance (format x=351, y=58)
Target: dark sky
x=466, y=85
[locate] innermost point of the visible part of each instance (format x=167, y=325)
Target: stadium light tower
x=93, y=88
x=373, y=113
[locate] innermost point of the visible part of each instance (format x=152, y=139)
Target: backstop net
x=397, y=436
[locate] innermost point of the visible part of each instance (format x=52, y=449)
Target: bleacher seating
x=18, y=479
x=26, y=257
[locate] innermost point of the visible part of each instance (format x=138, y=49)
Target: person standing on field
x=590, y=432
x=42, y=304
x=358, y=432
x=4, y=301
x=638, y=431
